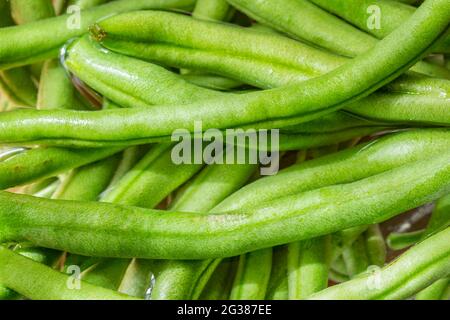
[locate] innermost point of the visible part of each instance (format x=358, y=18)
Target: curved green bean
x=304, y=20
x=212, y=10
x=26, y=11
x=36, y=281
x=420, y=266
x=39, y=163
x=392, y=16
x=289, y=219
x=303, y=102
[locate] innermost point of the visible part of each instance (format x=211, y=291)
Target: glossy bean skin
x=348, y=165
x=435, y=291
x=309, y=100
x=144, y=84
x=286, y=220
x=39, y=163
x=394, y=14
x=41, y=40
x=129, y=82
x=304, y=20
x=268, y=66
x=420, y=266
x=37, y=281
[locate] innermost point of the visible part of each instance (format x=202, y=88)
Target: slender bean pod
x=285, y=220
x=41, y=40
x=420, y=266
x=311, y=99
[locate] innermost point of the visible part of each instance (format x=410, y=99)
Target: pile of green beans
x=92, y=91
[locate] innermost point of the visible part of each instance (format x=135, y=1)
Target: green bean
x=307, y=267
x=45, y=256
x=37, y=281
x=94, y=67
x=269, y=66
x=183, y=279
x=252, y=276
x=349, y=165
x=211, y=81
x=440, y=218
x=5, y=14
x=435, y=291
x=277, y=288
x=212, y=10
x=375, y=246
x=138, y=186
x=219, y=286
x=106, y=274
x=304, y=177
x=59, y=6
x=420, y=266
x=41, y=40
x=39, y=163
x=85, y=4
x=355, y=257
x=130, y=157
x=129, y=82
x=298, y=217
x=18, y=86
x=304, y=20
x=55, y=89
x=88, y=182
x=393, y=15
x=302, y=102
x=26, y=11
x=400, y=241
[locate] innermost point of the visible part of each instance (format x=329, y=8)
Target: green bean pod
x=419, y=267
x=26, y=11
x=304, y=20
x=375, y=246
x=435, y=291
x=41, y=40
x=400, y=241
x=302, y=102
x=186, y=279
x=18, y=87
x=221, y=281
x=307, y=267
x=252, y=277
x=86, y=4
x=36, y=281
x=268, y=67
x=55, y=88
x=358, y=13
x=39, y=163
x=212, y=10
x=355, y=257
x=93, y=65
x=102, y=229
